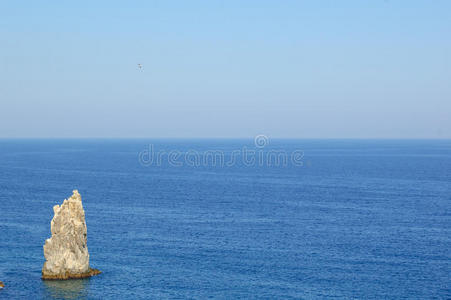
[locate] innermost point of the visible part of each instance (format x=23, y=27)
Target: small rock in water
x=2, y=285
x=66, y=252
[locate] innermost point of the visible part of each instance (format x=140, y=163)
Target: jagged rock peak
x=66, y=252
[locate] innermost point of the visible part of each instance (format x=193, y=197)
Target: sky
x=225, y=69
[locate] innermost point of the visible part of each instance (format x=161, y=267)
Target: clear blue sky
x=301, y=69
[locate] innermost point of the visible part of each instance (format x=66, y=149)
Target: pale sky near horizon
x=299, y=69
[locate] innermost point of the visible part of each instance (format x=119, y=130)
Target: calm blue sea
x=364, y=219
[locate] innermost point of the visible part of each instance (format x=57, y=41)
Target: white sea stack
x=66, y=252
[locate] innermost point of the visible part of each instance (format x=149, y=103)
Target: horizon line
x=224, y=138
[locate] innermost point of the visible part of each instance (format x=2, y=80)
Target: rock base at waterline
x=67, y=275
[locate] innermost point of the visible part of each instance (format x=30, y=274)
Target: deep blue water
x=360, y=219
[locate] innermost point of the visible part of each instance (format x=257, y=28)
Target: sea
x=233, y=218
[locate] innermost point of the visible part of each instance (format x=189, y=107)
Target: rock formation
x=66, y=252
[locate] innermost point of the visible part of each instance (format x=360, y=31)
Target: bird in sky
x=140, y=66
